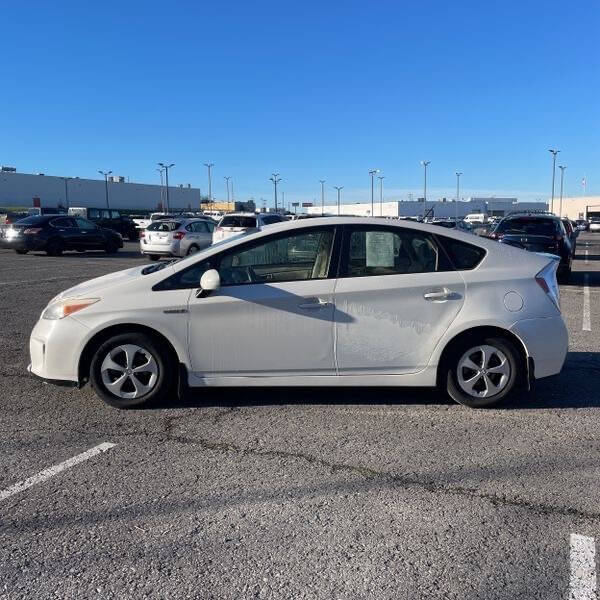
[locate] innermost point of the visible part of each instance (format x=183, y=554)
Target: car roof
x=240, y=214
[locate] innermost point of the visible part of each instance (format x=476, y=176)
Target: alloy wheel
x=129, y=371
x=483, y=371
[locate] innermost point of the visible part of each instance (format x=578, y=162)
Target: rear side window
x=62, y=222
x=93, y=213
x=115, y=214
x=238, y=222
x=463, y=256
x=163, y=226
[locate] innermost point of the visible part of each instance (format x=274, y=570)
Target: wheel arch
x=477, y=333
x=85, y=358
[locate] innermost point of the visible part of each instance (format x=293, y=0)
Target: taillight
x=546, y=279
x=179, y=235
x=142, y=234
x=8, y=221
x=32, y=230
x=219, y=229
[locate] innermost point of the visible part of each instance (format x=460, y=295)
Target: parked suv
x=55, y=233
x=176, y=237
x=109, y=219
x=243, y=222
x=541, y=232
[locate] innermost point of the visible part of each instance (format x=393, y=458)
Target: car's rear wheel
x=192, y=249
x=54, y=247
x=21, y=250
x=132, y=370
x=483, y=373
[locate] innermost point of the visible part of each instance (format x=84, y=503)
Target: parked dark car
x=583, y=225
x=537, y=233
x=572, y=232
x=109, y=219
x=54, y=234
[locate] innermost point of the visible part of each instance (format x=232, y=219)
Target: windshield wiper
x=157, y=267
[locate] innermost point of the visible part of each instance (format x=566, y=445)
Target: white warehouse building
x=439, y=208
x=23, y=189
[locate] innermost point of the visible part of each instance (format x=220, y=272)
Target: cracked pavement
x=302, y=493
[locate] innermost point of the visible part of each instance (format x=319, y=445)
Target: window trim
x=332, y=270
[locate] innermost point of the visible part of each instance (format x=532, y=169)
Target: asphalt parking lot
x=307, y=493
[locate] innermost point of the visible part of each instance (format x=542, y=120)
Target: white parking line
x=583, y=585
x=587, y=323
x=55, y=470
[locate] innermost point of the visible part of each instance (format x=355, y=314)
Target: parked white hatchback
x=236, y=223
x=320, y=302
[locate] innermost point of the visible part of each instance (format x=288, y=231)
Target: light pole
x=232, y=196
x=166, y=168
x=322, y=182
x=425, y=164
x=65, y=179
x=562, y=178
x=227, y=180
x=162, y=189
x=275, y=179
x=106, y=174
x=381, y=178
x=458, y=174
x=208, y=166
x=339, y=189
x=372, y=174
x=554, y=153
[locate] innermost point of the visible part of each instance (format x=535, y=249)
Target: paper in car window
x=380, y=249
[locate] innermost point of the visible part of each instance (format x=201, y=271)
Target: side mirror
x=209, y=282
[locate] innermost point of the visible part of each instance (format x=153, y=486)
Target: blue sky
x=312, y=90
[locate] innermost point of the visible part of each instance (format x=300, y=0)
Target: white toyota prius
x=319, y=302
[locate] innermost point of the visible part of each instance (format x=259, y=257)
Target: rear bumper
x=22, y=243
x=546, y=341
x=171, y=249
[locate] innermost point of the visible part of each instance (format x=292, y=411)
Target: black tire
x=193, y=249
x=134, y=236
x=154, y=257
x=21, y=250
x=450, y=375
x=161, y=386
x=111, y=247
x=54, y=247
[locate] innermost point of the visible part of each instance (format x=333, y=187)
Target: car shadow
x=574, y=387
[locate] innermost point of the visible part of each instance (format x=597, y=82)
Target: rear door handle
x=438, y=295
x=316, y=303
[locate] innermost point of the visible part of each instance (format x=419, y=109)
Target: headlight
x=62, y=308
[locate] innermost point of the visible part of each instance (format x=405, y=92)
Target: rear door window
x=62, y=223
x=93, y=213
x=372, y=251
x=115, y=214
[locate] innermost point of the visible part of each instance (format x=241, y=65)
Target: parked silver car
x=176, y=237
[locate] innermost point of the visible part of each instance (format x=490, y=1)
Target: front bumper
x=546, y=341
x=55, y=348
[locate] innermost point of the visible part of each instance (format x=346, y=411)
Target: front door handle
x=438, y=295
x=316, y=303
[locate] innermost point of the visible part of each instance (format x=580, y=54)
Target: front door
x=395, y=298
x=89, y=236
x=273, y=314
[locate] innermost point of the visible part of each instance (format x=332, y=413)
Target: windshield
x=238, y=222
x=528, y=226
x=164, y=226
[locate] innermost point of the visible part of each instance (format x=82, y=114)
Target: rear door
x=66, y=229
x=89, y=235
x=395, y=297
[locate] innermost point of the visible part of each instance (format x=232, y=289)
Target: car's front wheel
x=111, y=247
x=481, y=374
x=21, y=250
x=132, y=370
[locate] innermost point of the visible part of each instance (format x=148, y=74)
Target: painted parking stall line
x=54, y=470
x=583, y=584
x=587, y=322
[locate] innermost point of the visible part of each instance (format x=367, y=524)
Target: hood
x=96, y=288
